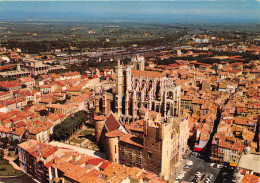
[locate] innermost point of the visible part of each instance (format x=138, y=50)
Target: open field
x=115, y=32
x=73, y=31
x=7, y=170
x=42, y=36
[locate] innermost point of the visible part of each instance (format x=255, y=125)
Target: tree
x=23, y=85
x=44, y=112
x=29, y=102
x=1, y=154
x=5, y=142
x=67, y=127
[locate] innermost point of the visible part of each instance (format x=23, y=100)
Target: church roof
x=111, y=123
x=150, y=74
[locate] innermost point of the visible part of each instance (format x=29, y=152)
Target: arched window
x=157, y=108
x=167, y=108
x=170, y=95
x=137, y=67
x=100, y=105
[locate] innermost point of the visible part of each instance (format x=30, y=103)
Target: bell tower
x=119, y=87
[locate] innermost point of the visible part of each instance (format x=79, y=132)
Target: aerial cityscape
x=130, y=91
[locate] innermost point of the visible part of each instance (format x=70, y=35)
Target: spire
x=118, y=62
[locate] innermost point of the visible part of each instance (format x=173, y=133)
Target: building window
x=149, y=155
x=130, y=158
x=115, y=148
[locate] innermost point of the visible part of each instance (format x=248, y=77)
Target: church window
x=149, y=155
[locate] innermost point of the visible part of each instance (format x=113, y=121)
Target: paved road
x=79, y=149
x=200, y=165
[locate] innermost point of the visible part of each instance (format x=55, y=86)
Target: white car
x=189, y=163
x=219, y=166
x=212, y=164
x=198, y=173
x=210, y=176
x=208, y=179
x=179, y=177
x=183, y=172
x=198, y=177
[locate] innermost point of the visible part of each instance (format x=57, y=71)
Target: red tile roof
x=95, y=161
x=111, y=123
x=250, y=179
x=115, y=133
x=4, y=129
x=131, y=139
x=26, y=79
x=104, y=165
x=136, y=126
x=150, y=74
x=9, y=84
x=99, y=118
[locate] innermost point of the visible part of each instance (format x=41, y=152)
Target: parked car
x=219, y=166
x=179, y=177
x=198, y=173
x=186, y=167
x=189, y=163
x=210, y=176
x=212, y=164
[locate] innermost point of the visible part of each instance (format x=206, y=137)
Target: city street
x=199, y=165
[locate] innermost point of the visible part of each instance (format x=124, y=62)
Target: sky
x=138, y=0
x=181, y=11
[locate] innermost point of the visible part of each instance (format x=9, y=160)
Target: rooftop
x=250, y=162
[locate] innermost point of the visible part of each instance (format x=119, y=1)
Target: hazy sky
x=135, y=0
x=180, y=11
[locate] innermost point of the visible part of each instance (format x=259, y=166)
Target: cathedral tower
x=119, y=87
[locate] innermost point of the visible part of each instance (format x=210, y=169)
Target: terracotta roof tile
x=115, y=133
x=99, y=118
x=111, y=123
x=136, y=126
x=250, y=179
x=131, y=139
x=4, y=129
x=150, y=74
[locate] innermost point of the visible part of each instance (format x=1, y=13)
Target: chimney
x=247, y=150
x=18, y=67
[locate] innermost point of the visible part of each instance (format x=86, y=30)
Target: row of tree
x=8, y=143
x=248, y=56
x=35, y=47
x=66, y=128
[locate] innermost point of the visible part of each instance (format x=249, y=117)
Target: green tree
x=44, y=112
x=67, y=127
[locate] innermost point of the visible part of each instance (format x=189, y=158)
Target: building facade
x=136, y=88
